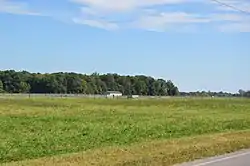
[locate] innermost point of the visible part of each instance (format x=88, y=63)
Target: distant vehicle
x=112, y=94
x=133, y=96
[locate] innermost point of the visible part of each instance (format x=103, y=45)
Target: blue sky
x=198, y=44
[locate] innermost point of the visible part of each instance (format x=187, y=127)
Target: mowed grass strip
x=155, y=153
x=42, y=127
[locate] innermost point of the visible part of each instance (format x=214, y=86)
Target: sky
x=198, y=44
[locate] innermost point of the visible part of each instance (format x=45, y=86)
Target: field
x=76, y=131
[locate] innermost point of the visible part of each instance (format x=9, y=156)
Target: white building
x=133, y=96
x=113, y=94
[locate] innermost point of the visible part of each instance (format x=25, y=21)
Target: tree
x=174, y=91
x=150, y=85
x=163, y=87
x=61, y=83
x=74, y=83
x=24, y=87
x=140, y=87
x=103, y=86
x=156, y=88
x=25, y=82
x=110, y=81
x=241, y=92
x=247, y=94
x=1, y=87
x=128, y=87
x=84, y=87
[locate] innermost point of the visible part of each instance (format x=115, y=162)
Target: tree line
x=12, y=81
x=241, y=93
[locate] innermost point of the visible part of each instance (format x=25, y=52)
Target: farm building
x=113, y=94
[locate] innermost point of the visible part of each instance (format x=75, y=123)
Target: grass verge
x=156, y=153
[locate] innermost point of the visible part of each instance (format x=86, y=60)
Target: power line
x=231, y=6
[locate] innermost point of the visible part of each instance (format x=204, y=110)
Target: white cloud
x=232, y=22
x=153, y=15
x=163, y=21
x=7, y=6
x=230, y=17
x=140, y=13
x=125, y=5
x=235, y=27
x=97, y=23
x=88, y=11
x=145, y=14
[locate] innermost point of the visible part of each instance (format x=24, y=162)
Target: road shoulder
x=241, y=157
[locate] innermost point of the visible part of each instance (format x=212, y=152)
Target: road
x=241, y=158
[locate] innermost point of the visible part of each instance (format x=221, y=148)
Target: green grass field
x=50, y=131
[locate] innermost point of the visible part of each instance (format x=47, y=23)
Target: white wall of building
x=113, y=94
